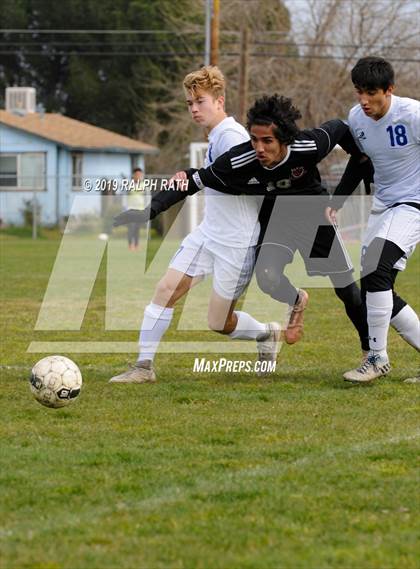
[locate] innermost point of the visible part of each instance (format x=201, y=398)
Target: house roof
x=73, y=133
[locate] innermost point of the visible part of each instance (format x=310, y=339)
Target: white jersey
x=228, y=219
x=393, y=145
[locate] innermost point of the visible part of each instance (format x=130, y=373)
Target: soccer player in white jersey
x=222, y=245
x=387, y=129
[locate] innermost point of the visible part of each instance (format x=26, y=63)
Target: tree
x=132, y=82
x=107, y=79
x=333, y=35
x=129, y=83
x=268, y=17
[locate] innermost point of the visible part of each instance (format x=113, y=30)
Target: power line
x=287, y=56
x=4, y=43
x=36, y=31
x=174, y=55
x=72, y=43
x=97, y=53
x=153, y=42
x=179, y=34
x=344, y=46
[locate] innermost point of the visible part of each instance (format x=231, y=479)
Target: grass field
x=210, y=470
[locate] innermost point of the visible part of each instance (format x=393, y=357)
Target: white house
x=51, y=156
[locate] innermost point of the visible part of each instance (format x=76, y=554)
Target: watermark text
x=203, y=365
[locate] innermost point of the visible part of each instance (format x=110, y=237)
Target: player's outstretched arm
x=332, y=133
x=327, y=136
x=221, y=177
x=218, y=176
x=359, y=168
x=160, y=202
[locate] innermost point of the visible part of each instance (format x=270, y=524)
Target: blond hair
x=209, y=79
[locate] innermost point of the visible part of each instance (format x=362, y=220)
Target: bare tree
x=335, y=34
x=171, y=128
x=310, y=62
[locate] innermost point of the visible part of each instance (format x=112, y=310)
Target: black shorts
x=299, y=224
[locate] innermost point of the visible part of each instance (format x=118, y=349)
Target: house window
x=8, y=171
x=25, y=171
x=76, y=171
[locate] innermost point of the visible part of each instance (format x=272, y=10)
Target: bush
x=28, y=212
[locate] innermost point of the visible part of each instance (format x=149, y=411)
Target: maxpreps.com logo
x=360, y=133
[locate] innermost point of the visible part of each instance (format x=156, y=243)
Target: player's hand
x=131, y=216
x=331, y=215
x=180, y=176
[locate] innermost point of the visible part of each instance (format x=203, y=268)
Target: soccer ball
x=55, y=381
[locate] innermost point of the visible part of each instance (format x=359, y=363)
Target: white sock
x=379, y=309
x=247, y=328
x=156, y=321
x=407, y=324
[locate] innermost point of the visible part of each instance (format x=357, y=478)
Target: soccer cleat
x=268, y=345
x=137, y=374
x=374, y=366
x=294, y=331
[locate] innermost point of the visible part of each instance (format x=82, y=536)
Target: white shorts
x=400, y=224
x=231, y=267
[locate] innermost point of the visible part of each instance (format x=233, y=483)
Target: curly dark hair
x=275, y=110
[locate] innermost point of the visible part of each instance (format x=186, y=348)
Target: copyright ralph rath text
x=126, y=185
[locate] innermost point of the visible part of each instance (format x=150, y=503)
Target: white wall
x=96, y=167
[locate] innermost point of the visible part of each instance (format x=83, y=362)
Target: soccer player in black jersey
x=279, y=163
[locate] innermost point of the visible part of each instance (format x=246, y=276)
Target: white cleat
x=137, y=374
x=375, y=366
x=268, y=345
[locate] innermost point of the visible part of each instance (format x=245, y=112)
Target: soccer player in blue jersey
x=387, y=130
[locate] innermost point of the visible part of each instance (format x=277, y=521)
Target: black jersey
x=238, y=171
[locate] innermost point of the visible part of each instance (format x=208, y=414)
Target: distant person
x=135, y=200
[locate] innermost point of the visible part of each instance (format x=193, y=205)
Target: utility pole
x=35, y=208
x=215, y=20
x=207, y=48
x=243, y=75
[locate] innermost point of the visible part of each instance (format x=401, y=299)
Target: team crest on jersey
x=360, y=133
x=298, y=172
